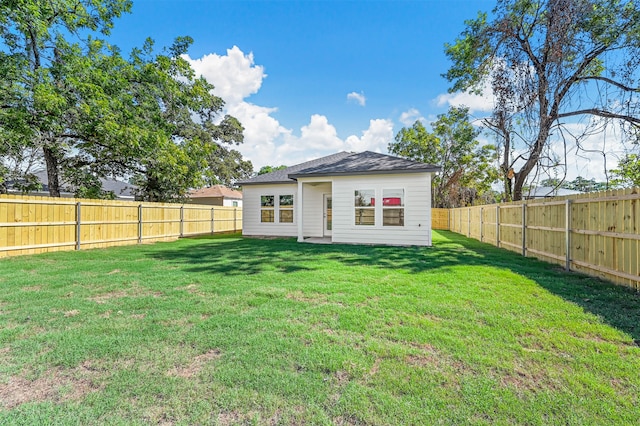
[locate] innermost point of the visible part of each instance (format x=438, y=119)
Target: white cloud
x=234, y=75
x=476, y=103
x=358, y=98
x=319, y=134
x=411, y=116
x=266, y=141
x=375, y=138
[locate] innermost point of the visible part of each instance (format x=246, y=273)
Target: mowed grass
x=227, y=330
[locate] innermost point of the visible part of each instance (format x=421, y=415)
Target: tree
x=164, y=130
x=93, y=113
x=226, y=167
x=549, y=62
x=268, y=169
x=627, y=174
x=467, y=170
x=32, y=33
x=584, y=185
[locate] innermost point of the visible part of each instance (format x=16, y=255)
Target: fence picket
x=30, y=225
x=596, y=233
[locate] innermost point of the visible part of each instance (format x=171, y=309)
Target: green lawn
x=228, y=330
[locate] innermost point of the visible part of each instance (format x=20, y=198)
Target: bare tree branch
x=601, y=113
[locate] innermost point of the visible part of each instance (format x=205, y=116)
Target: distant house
x=217, y=195
x=362, y=198
x=122, y=190
x=548, y=192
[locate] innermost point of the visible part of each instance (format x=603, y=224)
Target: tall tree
x=467, y=169
x=93, y=113
x=549, y=62
x=32, y=32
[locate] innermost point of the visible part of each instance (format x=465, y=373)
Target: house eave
x=285, y=182
x=365, y=172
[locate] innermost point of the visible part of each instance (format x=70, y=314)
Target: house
x=217, y=195
x=122, y=190
x=360, y=198
x=547, y=192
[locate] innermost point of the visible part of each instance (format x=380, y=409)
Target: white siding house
x=363, y=198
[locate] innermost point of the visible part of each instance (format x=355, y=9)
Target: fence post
x=469, y=222
x=448, y=219
x=212, y=220
x=567, y=234
x=235, y=211
x=481, y=224
x=78, y=223
x=139, y=223
x=498, y=225
x=524, y=229
x=181, y=221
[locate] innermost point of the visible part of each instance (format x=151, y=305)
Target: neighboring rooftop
x=216, y=191
x=344, y=163
x=549, y=191
x=122, y=190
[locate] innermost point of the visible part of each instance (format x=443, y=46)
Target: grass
x=227, y=330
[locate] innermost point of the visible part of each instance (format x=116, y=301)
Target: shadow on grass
x=617, y=305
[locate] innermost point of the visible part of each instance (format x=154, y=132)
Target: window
x=235, y=204
x=267, y=212
x=393, y=207
x=365, y=210
x=286, y=208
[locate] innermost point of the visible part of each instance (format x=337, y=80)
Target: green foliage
x=467, y=168
x=268, y=169
x=226, y=167
x=578, y=184
x=627, y=174
x=94, y=113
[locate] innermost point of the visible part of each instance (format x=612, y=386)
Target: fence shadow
x=616, y=305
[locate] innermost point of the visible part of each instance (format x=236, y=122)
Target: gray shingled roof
x=282, y=176
x=345, y=163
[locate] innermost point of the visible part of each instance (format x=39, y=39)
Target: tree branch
x=601, y=113
x=610, y=81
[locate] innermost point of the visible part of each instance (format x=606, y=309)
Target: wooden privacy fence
x=595, y=233
x=30, y=225
x=440, y=219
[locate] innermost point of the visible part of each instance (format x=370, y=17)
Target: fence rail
x=595, y=233
x=30, y=225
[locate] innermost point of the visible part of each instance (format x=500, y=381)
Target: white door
x=328, y=215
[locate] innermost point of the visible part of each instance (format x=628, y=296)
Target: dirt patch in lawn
x=528, y=376
x=313, y=298
x=32, y=288
x=134, y=291
x=56, y=385
x=193, y=289
x=195, y=366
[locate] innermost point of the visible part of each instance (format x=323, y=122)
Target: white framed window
x=285, y=208
x=267, y=208
x=364, y=204
x=393, y=207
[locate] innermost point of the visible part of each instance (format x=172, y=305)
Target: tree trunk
x=51, y=161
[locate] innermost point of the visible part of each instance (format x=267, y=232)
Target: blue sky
x=286, y=68
x=311, y=78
